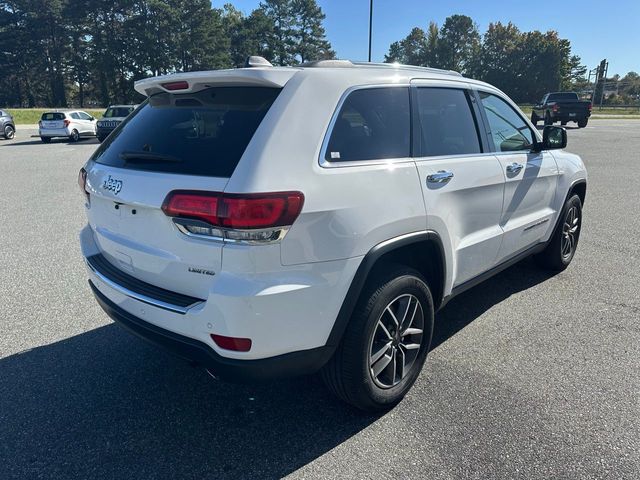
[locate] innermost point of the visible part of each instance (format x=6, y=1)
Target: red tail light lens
x=555, y=108
x=67, y=122
x=176, y=85
x=236, y=211
x=232, y=343
x=82, y=182
x=589, y=106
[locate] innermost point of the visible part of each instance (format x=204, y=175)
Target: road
x=530, y=376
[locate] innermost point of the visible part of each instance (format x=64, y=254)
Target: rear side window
x=509, y=130
x=53, y=116
x=447, y=124
x=203, y=133
x=372, y=124
x=118, y=112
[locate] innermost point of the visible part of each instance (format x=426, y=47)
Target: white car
x=71, y=124
x=278, y=221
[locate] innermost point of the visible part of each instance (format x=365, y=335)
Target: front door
x=531, y=177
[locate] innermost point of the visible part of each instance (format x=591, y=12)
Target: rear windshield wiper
x=147, y=157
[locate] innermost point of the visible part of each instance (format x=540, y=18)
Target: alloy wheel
x=396, y=341
x=570, y=229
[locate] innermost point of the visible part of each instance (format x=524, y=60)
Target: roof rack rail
x=408, y=67
x=328, y=64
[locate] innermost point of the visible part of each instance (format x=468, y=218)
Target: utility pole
x=604, y=81
x=370, y=25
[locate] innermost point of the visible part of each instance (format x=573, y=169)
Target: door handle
x=514, y=167
x=441, y=176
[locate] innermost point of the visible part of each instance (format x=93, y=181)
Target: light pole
x=370, y=25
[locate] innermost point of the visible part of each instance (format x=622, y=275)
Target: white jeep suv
x=277, y=221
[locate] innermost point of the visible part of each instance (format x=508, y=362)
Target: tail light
x=589, y=106
x=555, y=108
x=232, y=343
x=260, y=218
x=176, y=85
x=67, y=122
x=40, y=123
x=82, y=182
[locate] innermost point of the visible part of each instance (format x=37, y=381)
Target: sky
x=596, y=29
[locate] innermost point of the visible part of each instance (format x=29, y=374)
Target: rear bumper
x=54, y=132
x=282, y=366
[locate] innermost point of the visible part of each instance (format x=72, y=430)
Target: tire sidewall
x=9, y=132
x=75, y=136
x=574, y=201
x=407, y=282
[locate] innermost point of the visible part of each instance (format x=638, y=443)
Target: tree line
x=73, y=52
x=58, y=53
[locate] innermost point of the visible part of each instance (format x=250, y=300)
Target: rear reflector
x=82, y=182
x=232, y=343
x=236, y=211
x=176, y=85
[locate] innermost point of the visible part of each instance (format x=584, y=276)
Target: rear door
x=174, y=142
x=462, y=183
x=531, y=177
x=53, y=120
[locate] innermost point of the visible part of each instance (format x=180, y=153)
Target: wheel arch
x=579, y=187
x=423, y=251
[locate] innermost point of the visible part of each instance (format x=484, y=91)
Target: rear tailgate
x=176, y=141
x=577, y=109
x=52, y=120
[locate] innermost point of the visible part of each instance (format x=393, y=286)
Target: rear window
x=203, y=133
x=563, y=96
x=117, y=112
x=53, y=116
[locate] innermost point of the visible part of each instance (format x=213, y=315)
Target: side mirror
x=553, y=138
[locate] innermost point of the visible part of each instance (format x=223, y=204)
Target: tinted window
x=203, y=133
x=563, y=96
x=53, y=116
x=84, y=116
x=447, y=125
x=117, y=112
x=509, y=130
x=372, y=124
x=75, y=115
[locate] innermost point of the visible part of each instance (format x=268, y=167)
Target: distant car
x=562, y=107
x=72, y=124
x=7, y=125
x=113, y=116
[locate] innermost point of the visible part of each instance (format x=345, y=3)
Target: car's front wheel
x=386, y=342
x=563, y=244
x=547, y=119
x=9, y=132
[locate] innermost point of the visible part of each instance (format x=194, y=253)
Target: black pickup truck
x=562, y=107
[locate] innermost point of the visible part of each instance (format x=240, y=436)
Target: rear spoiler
x=191, y=82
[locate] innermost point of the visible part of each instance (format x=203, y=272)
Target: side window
x=509, y=130
x=84, y=116
x=373, y=123
x=447, y=125
x=75, y=115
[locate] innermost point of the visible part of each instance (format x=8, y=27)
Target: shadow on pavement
x=105, y=404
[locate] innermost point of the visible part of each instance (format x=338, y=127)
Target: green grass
x=31, y=116
x=596, y=111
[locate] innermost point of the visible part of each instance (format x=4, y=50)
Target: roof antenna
x=256, y=61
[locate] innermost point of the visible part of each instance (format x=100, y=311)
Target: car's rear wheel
x=547, y=119
x=9, y=132
x=386, y=342
x=534, y=118
x=45, y=139
x=564, y=242
x=583, y=123
x=75, y=136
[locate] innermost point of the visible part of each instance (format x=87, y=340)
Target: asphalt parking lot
x=530, y=376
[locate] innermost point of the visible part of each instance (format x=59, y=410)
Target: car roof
x=122, y=106
x=354, y=73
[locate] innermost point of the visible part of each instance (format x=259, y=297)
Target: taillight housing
x=67, y=122
x=82, y=182
x=555, y=108
x=589, y=106
x=179, y=85
x=253, y=217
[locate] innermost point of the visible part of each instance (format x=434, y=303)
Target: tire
x=547, y=119
x=534, y=119
x=563, y=123
x=45, y=139
x=563, y=244
x=348, y=375
x=583, y=122
x=9, y=132
x=75, y=136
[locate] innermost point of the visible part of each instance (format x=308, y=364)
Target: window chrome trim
x=141, y=298
x=324, y=163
